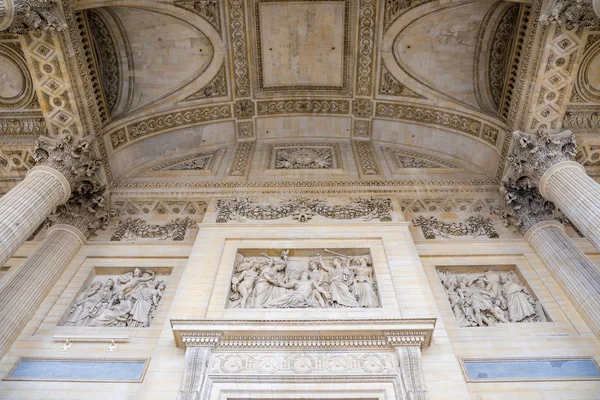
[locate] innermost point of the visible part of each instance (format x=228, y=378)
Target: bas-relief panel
x=482, y=296
x=303, y=278
x=126, y=300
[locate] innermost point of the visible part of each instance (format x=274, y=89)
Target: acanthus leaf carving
x=303, y=209
x=31, y=15
x=570, y=13
x=131, y=229
x=474, y=226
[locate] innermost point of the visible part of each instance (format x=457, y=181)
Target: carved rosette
x=533, y=154
x=571, y=13
x=22, y=16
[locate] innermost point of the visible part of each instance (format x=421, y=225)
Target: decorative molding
x=169, y=121
x=217, y=87
x=16, y=160
x=239, y=47
x=588, y=154
x=307, y=155
x=132, y=229
x=411, y=159
x=390, y=86
x=571, y=13
x=437, y=117
x=362, y=108
x=366, y=47
x=244, y=109
x=474, y=226
x=362, y=129
x=393, y=9
x=500, y=52
x=365, y=155
x=53, y=84
x=158, y=207
x=303, y=106
x=241, y=158
x=245, y=130
x=208, y=10
x=584, y=92
x=303, y=209
x=581, y=120
x=446, y=205
x=27, y=97
x=199, y=161
x=108, y=58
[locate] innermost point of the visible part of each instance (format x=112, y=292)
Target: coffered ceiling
x=204, y=90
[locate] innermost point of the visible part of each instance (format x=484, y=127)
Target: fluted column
x=536, y=218
x=569, y=187
x=544, y=161
x=575, y=273
x=21, y=296
x=65, y=168
x=24, y=207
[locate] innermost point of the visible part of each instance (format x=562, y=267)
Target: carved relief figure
x=483, y=299
x=267, y=282
x=130, y=302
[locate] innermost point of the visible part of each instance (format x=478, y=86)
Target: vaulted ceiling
x=209, y=90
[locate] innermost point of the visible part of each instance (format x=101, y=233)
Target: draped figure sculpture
x=303, y=281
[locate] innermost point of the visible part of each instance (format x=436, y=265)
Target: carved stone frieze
x=487, y=298
x=303, y=209
x=129, y=300
x=133, y=229
x=362, y=108
x=217, y=87
x=500, y=52
x=303, y=106
x=533, y=154
x=23, y=126
x=304, y=281
x=583, y=120
x=473, y=226
x=22, y=16
x=304, y=155
x=570, y=13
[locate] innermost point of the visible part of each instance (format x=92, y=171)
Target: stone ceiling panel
x=301, y=46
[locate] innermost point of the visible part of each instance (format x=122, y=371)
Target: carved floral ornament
x=303, y=209
x=572, y=13
x=22, y=16
x=473, y=226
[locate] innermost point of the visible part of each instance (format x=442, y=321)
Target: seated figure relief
x=128, y=301
x=485, y=299
x=307, y=282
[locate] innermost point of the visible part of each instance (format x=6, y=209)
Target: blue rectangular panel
x=79, y=370
x=559, y=369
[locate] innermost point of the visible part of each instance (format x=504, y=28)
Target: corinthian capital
x=86, y=209
x=571, y=13
x=22, y=16
x=525, y=207
x=533, y=154
x=74, y=159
